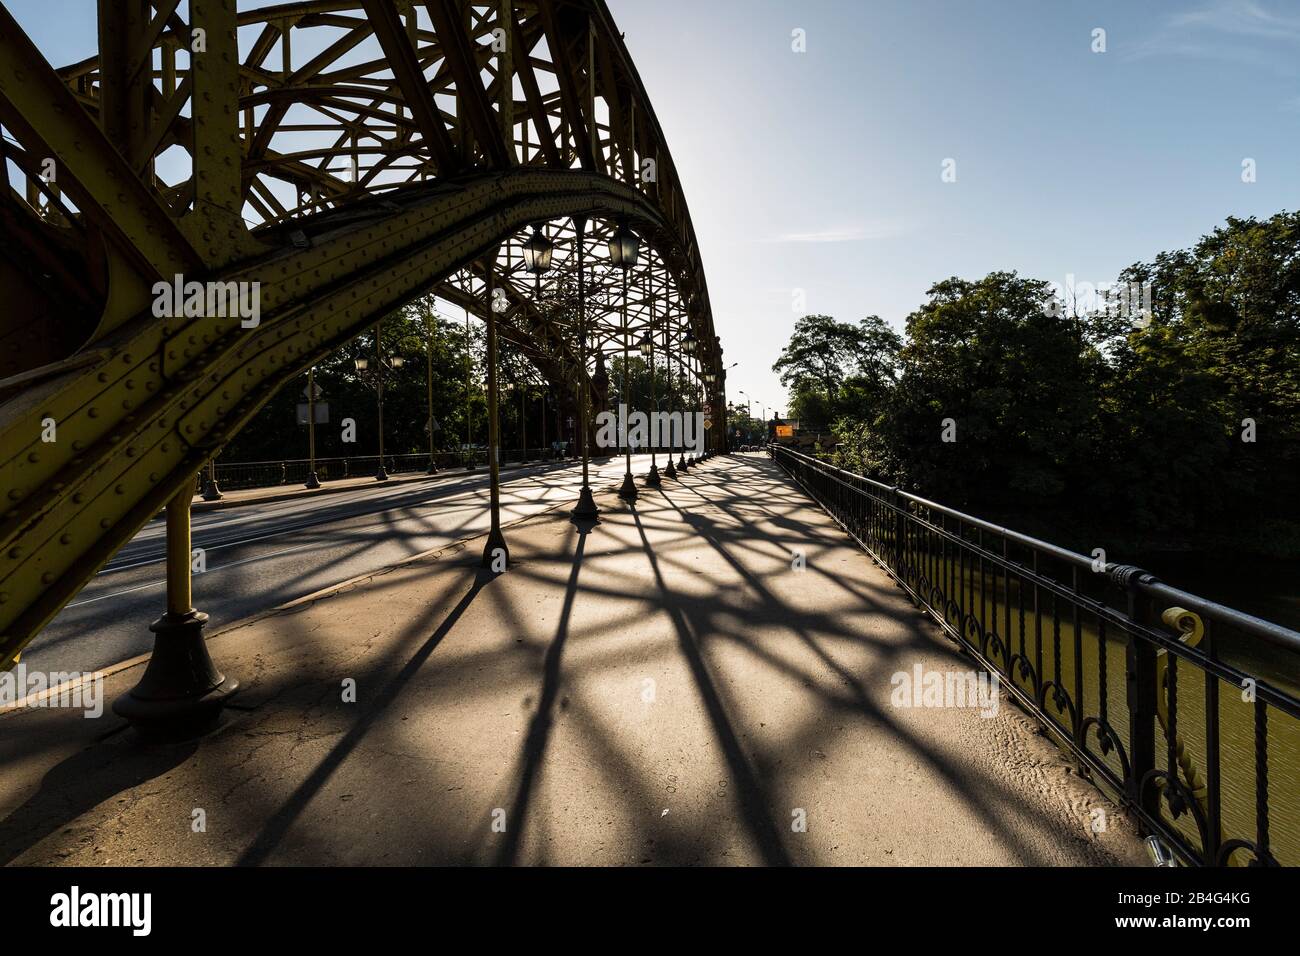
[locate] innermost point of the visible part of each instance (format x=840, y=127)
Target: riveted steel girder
x=340, y=185
x=134, y=426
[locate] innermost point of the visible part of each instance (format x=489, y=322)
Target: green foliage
x=823, y=352
x=408, y=334
x=1108, y=420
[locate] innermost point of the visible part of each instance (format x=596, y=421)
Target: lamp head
x=538, y=251
x=624, y=247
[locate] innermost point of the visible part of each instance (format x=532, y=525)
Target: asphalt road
x=262, y=555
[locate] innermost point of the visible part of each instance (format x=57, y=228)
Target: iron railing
x=1185, y=709
x=238, y=475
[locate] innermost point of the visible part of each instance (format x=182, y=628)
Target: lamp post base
x=381, y=475
x=586, y=507
x=671, y=470
x=652, y=479
x=628, y=492
x=182, y=692
x=682, y=463
x=433, y=467
x=496, y=555
x=211, y=492
x=313, y=481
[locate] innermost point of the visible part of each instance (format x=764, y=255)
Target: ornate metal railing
x=1185, y=709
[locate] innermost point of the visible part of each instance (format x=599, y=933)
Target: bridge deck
x=665, y=688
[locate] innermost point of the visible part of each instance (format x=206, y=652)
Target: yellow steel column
x=179, y=554
x=181, y=692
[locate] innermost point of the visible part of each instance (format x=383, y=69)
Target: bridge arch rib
x=143, y=401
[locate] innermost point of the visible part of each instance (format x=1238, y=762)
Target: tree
x=822, y=351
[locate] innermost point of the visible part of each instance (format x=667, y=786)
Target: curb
x=223, y=504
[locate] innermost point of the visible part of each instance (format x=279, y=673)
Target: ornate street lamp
x=428, y=385
x=670, y=471
x=647, y=347
x=586, y=507
x=687, y=347
x=496, y=555
x=313, y=480
x=624, y=247
x=376, y=376
x=469, y=417
x=538, y=251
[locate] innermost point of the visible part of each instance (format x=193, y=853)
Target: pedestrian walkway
x=705, y=678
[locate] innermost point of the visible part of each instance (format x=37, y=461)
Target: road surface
x=262, y=555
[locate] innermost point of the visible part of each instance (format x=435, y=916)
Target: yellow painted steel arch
x=93, y=443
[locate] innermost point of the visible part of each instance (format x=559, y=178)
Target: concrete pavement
x=268, y=552
x=664, y=687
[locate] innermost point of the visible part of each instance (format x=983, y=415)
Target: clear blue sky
x=820, y=170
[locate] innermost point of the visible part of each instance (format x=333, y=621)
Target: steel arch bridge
x=345, y=155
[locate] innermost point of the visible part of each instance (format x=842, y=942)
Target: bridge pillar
x=181, y=692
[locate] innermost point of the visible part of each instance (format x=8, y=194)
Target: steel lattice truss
x=346, y=156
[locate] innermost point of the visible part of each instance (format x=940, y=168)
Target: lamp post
x=428, y=381
x=586, y=507
x=469, y=417
x=707, y=392
x=671, y=470
x=376, y=377
x=648, y=351
x=624, y=247
x=688, y=349
x=312, y=480
x=495, y=553
x=211, y=492
x=538, y=251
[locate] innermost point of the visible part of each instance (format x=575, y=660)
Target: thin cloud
x=1235, y=31
x=1242, y=18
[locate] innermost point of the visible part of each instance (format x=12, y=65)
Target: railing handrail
x=1145, y=582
